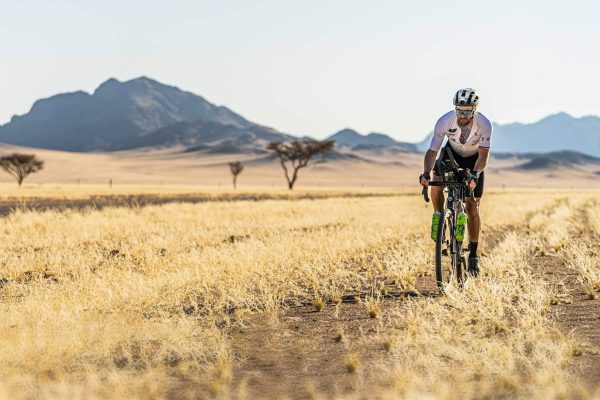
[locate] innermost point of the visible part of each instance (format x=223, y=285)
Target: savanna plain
x=305, y=294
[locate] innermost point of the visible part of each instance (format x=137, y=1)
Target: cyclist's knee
x=472, y=207
x=435, y=190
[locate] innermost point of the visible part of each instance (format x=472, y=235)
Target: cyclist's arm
x=484, y=144
x=439, y=131
x=429, y=161
x=482, y=159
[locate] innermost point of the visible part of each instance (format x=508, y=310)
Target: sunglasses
x=466, y=113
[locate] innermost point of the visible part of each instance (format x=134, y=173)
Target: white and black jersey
x=480, y=134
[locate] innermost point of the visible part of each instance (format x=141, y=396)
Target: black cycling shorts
x=465, y=162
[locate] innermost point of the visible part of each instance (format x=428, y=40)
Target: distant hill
x=543, y=163
x=553, y=160
x=115, y=112
x=207, y=136
x=554, y=133
x=570, y=156
x=354, y=140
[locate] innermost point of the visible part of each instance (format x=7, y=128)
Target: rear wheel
x=443, y=263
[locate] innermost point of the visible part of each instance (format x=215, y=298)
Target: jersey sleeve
x=438, y=135
x=486, y=135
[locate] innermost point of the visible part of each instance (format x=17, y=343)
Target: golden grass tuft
x=352, y=363
x=319, y=304
x=389, y=344
x=373, y=306
x=341, y=336
x=577, y=350
x=336, y=298
x=215, y=389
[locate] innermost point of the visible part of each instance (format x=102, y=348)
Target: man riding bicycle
x=469, y=135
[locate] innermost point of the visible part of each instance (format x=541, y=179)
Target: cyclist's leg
x=474, y=225
x=474, y=221
x=437, y=195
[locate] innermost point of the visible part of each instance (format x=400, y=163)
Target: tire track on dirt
x=578, y=314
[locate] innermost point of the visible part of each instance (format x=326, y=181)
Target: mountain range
x=144, y=113
x=119, y=114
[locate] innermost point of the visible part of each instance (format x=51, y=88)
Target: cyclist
x=469, y=135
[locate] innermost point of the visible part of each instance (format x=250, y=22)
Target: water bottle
x=461, y=222
x=435, y=220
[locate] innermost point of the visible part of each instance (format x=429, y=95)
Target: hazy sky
x=313, y=67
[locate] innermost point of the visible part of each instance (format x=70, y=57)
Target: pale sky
x=312, y=67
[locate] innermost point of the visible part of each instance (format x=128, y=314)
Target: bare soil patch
x=303, y=353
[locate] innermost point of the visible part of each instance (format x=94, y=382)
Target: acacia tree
x=297, y=154
x=236, y=168
x=21, y=165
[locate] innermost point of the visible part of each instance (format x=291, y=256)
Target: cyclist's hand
x=473, y=182
x=424, y=179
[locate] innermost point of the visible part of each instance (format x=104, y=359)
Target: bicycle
x=455, y=183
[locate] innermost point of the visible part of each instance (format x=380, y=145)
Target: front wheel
x=443, y=255
x=461, y=266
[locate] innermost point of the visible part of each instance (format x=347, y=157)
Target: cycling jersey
x=480, y=134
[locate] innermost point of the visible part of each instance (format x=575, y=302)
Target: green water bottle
x=435, y=219
x=461, y=222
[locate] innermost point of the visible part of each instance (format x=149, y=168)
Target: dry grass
x=583, y=255
x=490, y=340
x=122, y=303
x=593, y=214
x=352, y=363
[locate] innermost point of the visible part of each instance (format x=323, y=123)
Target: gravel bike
x=449, y=259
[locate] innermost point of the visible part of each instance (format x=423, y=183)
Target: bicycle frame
x=454, y=206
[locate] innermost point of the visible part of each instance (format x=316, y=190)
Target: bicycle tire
x=439, y=247
x=460, y=265
x=462, y=276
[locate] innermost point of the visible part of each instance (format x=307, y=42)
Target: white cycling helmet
x=466, y=97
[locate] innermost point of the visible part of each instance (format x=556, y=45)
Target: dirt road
x=303, y=354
